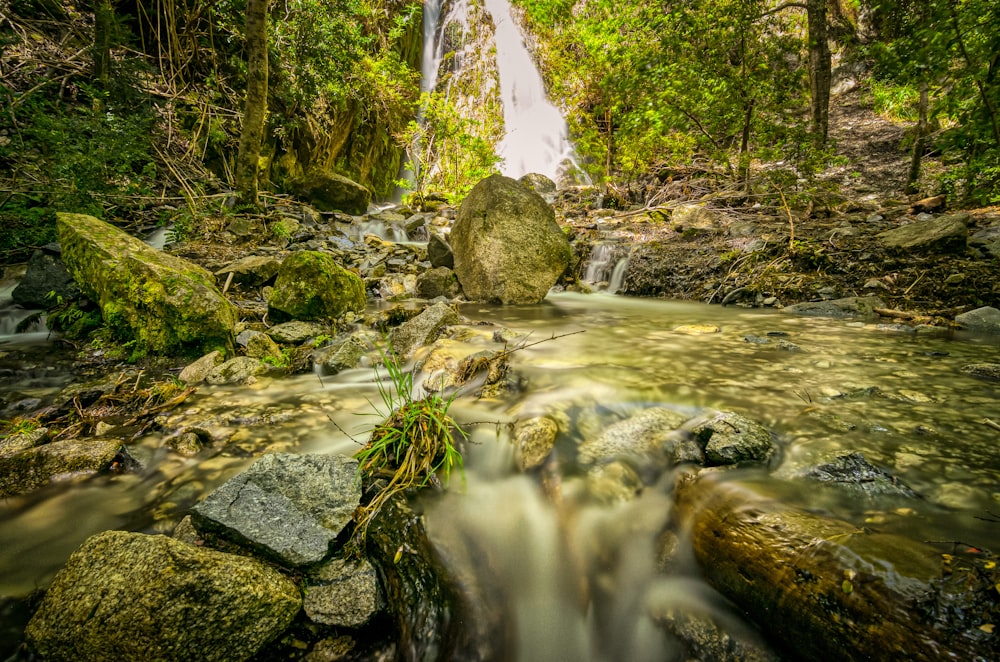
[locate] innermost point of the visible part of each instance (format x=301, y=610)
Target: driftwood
x=438, y=615
x=826, y=590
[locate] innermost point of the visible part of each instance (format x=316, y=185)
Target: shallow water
x=583, y=577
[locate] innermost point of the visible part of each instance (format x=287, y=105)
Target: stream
x=896, y=395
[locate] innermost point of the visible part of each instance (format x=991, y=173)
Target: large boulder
x=936, y=235
x=507, y=245
x=981, y=320
x=30, y=469
x=130, y=596
x=312, y=286
x=328, y=191
x=165, y=304
x=46, y=280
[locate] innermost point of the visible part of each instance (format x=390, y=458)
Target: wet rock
x=613, y=483
x=167, y=304
x=642, y=435
x=187, y=444
x=296, y=332
x=197, y=372
x=846, y=307
x=696, y=329
x=342, y=356
x=398, y=287
x=258, y=345
x=507, y=245
x=990, y=371
x=30, y=469
x=439, y=252
x=46, y=274
x=422, y=329
x=438, y=282
x=935, y=235
x=288, y=507
x=541, y=185
x=130, y=596
x=343, y=594
x=16, y=443
x=328, y=191
x=533, y=441
x=706, y=639
x=730, y=438
x=312, y=286
x=982, y=320
x=853, y=472
x=240, y=370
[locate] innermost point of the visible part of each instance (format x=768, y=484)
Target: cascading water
x=606, y=267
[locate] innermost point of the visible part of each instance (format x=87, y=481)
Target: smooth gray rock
x=983, y=320
x=296, y=331
x=730, y=438
x=327, y=191
x=197, y=372
x=642, y=434
x=240, y=370
x=137, y=598
x=938, y=235
x=343, y=356
x=439, y=252
x=287, y=507
x=343, y=594
x=846, y=307
x=438, y=282
x=422, y=329
x=252, y=271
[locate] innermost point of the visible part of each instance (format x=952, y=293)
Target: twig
x=914, y=284
x=989, y=422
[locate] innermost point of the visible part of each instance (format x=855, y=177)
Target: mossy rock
x=328, y=191
x=312, y=286
x=162, y=303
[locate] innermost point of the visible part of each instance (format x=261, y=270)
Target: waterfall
x=606, y=266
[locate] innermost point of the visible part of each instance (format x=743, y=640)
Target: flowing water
x=582, y=574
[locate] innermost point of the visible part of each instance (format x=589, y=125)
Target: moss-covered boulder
x=328, y=191
x=507, y=245
x=312, y=286
x=32, y=468
x=165, y=304
x=131, y=596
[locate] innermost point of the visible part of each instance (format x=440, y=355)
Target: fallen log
x=823, y=588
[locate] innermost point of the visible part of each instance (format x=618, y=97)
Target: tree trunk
x=919, y=142
x=255, y=110
x=104, y=21
x=820, y=71
x=828, y=590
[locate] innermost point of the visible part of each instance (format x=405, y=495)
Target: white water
x=536, y=139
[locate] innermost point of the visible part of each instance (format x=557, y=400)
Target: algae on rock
x=312, y=286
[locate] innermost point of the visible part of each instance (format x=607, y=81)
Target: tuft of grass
x=412, y=447
x=895, y=102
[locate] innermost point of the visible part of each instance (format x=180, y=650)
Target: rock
x=343, y=594
x=187, y=444
x=240, y=370
x=613, y=483
x=312, y=286
x=989, y=371
x=422, y=329
x=46, y=274
x=343, y=356
x=258, y=345
x=135, y=597
x=730, y=438
x=708, y=640
x=296, y=332
x=438, y=282
x=507, y=245
x=328, y=191
x=533, y=441
x=288, y=507
x=642, y=435
x=251, y=271
x=30, y=469
x=853, y=472
x=166, y=304
x=694, y=219
x=944, y=234
x=982, y=320
x=197, y=372
x=696, y=329
x=541, y=185
x=23, y=441
x=933, y=204
x=846, y=307
x=439, y=252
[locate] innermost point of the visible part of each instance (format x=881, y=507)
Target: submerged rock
x=288, y=507
x=852, y=471
x=533, y=441
x=989, y=371
x=30, y=469
x=640, y=435
x=136, y=597
x=507, y=245
x=166, y=304
x=312, y=286
x=730, y=438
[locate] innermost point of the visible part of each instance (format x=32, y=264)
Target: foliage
x=412, y=447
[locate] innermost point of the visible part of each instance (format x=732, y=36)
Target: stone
x=541, y=185
x=422, y=329
x=507, y=245
x=731, y=438
x=345, y=355
x=988, y=371
x=30, y=469
x=45, y=281
x=439, y=252
x=312, y=286
x=187, y=444
x=982, y=320
x=258, y=345
x=343, y=594
x=287, y=507
x=642, y=434
x=240, y=370
x=944, y=234
x=695, y=219
x=251, y=271
x=534, y=439
x=696, y=329
x=166, y=304
x=613, y=483
x=846, y=307
x=438, y=282
x=23, y=441
x=197, y=372
x=328, y=191
x=131, y=596
x=853, y=472
x=296, y=332
x=708, y=640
